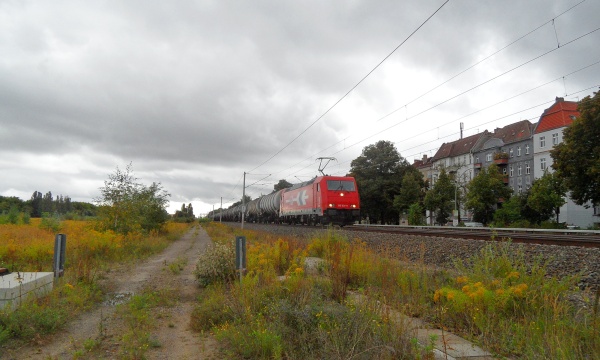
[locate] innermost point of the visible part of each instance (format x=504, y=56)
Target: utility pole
x=221, y=210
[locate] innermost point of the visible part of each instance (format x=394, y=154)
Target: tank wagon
x=321, y=200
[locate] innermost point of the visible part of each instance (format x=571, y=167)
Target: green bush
x=50, y=222
x=216, y=265
x=25, y=218
x=211, y=310
x=13, y=215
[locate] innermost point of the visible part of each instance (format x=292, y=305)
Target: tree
x=126, y=205
x=415, y=214
x=247, y=199
x=48, y=203
x=186, y=214
x=485, y=191
x=440, y=198
x=510, y=212
x=547, y=195
x=9, y=202
x=411, y=192
x=36, y=204
x=151, y=203
x=379, y=171
x=577, y=158
x=282, y=184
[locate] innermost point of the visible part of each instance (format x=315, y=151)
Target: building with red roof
x=549, y=133
x=549, y=130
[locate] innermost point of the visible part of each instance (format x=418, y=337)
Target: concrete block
x=18, y=286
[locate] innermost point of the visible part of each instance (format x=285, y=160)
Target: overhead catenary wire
x=446, y=81
x=465, y=116
x=480, y=124
x=352, y=88
x=531, y=60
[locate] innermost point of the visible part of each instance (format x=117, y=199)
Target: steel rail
x=579, y=238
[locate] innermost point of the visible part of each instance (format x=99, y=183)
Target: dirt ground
x=175, y=338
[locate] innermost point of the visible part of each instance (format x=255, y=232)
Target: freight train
x=320, y=201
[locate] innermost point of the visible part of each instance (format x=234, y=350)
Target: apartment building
x=511, y=149
x=549, y=133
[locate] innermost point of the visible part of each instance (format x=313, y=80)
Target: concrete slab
x=18, y=286
x=452, y=345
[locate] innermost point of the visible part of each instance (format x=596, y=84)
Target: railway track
x=581, y=238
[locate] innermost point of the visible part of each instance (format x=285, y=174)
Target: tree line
x=44, y=205
x=124, y=205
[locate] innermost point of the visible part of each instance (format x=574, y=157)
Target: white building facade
x=548, y=134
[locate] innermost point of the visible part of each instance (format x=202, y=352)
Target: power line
x=487, y=57
x=473, y=127
x=444, y=82
x=447, y=100
x=352, y=89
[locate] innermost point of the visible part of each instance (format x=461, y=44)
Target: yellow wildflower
x=462, y=280
x=436, y=296
x=513, y=275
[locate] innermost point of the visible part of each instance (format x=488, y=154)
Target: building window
x=520, y=189
x=519, y=171
x=511, y=171
x=555, y=139
x=527, y=149
x=476, y=159
x=542, y=141
x=504, y=170
x=518, y=151
x=489, y=157
x=510, y=152
x=527, y=168
x=543, y=163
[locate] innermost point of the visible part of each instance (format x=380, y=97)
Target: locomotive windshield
x=340, y=185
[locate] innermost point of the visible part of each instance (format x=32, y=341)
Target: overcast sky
x=195, y=93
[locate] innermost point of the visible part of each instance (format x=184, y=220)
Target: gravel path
x=173, y=334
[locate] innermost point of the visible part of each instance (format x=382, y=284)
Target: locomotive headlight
x=353, y=205
x=330, y=205
x=341, y=194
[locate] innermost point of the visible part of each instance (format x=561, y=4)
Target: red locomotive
x=322, y=200
x=319, y=201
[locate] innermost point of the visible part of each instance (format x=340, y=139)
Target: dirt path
x=173, y=336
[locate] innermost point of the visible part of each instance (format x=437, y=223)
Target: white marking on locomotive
x=300, y=198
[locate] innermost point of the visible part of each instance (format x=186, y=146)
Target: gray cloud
x=194, y=93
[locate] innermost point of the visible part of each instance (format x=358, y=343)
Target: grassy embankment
x=29, y=247
x=492, y=299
